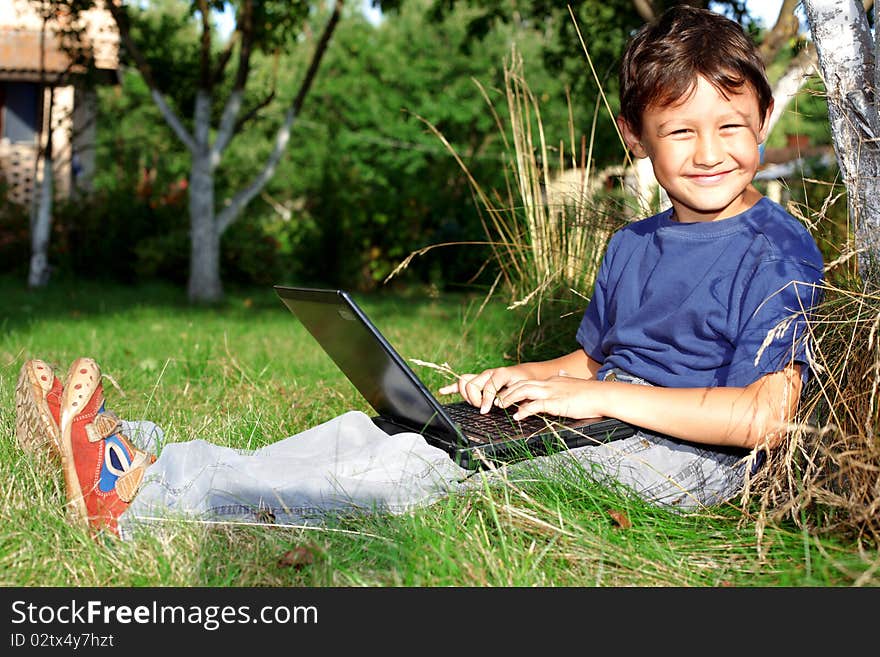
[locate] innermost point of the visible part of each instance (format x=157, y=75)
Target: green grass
x=246, y=374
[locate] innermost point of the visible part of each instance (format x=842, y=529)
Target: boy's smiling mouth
x=708, y=178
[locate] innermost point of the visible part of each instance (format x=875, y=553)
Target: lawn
x=246, y=374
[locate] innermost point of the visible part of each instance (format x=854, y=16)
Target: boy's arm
x=481, y=389
x=758, y=414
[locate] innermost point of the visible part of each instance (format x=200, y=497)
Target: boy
x=686, y=301
x=696, y=332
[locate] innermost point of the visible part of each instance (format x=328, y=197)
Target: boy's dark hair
x=664, y=58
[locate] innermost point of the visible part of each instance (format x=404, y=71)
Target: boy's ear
x=765, y=126
x=632, y=140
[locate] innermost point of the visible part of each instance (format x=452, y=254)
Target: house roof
x=20, y=55
x=21, y=42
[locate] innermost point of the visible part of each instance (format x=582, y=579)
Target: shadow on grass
x=80, y=299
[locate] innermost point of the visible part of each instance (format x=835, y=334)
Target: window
x=19, y=111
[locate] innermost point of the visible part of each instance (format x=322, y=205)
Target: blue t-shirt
x=693, y=305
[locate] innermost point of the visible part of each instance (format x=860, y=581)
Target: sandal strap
x=105, y=424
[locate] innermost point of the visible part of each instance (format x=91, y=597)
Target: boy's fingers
x=472, y=387
x=489, y=392
x=458, y=386
x=526, y=409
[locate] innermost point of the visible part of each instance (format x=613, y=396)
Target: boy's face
x=704, y=151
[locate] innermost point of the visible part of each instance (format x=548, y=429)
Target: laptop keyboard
x=496, y=424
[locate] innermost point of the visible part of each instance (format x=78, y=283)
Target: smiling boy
x=705, y=305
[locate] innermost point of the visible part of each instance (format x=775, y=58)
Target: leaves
x=620, y=519
x=299, y=557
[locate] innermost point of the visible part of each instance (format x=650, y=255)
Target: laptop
x=402, y=402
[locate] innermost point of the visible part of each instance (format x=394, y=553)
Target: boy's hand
x=482, y=389
x=561, y=395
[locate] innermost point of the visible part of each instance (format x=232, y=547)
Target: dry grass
x=547, y=228
x=827, y=477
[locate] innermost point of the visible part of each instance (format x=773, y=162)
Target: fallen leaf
x=620, y=519
x=298, y=557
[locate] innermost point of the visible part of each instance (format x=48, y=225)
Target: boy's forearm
x=756, y=415
x=576, y=363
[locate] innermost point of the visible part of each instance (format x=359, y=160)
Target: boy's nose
x=709, y=151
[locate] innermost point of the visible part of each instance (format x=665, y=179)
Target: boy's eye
x=680, y=131
x=731, y=126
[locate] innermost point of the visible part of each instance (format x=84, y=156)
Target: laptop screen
x=368, y=360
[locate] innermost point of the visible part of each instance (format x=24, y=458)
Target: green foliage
x=135, y=149
x=15, y=242
x=376, y=182
x=265, y=252
x=600, y=26
x=168, y=38
x=99, y=235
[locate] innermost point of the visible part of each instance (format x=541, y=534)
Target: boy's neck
x=685, y=215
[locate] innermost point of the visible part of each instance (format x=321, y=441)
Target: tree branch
x=316, y=57
x=205, y=79
x=120, y=17
x=785, y=28
x=227, y=129
x=225, y=56
x=254, y=111
x=282, y=137
x=245, y=26
x=242, y=198
x=646, y=10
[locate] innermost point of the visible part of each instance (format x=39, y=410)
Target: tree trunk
x=204, y=284
x=38, y=275
x=41, y=202
x=844, y=46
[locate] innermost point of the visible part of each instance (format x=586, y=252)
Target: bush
x=100, y=234
x=14, y=235
x=120, y=235
x=266, y=252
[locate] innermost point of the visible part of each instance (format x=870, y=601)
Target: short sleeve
x=774, y=321
x=594, y=323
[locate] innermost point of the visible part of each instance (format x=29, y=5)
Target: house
x=33, y=65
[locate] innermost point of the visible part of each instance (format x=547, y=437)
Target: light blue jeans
x=348, y=465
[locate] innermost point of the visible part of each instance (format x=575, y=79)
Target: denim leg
x=144, y=435
x=660, y=470
x=657, y=469
x=345, y=465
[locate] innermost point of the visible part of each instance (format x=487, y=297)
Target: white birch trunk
x=204, y=284
x=789, y=85
x=38, y=274
x=845, y=49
